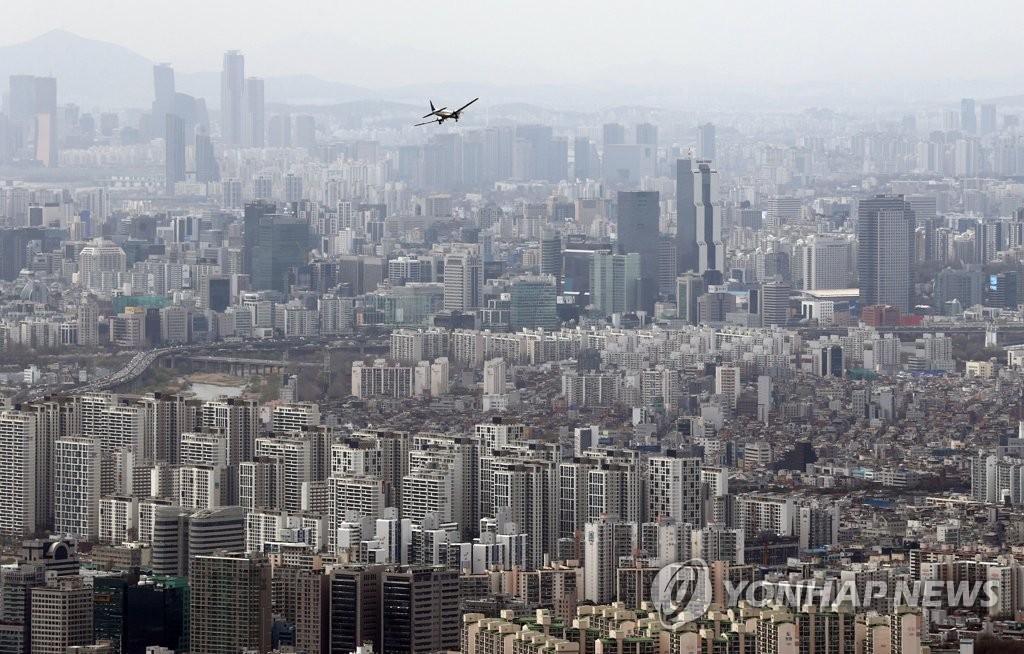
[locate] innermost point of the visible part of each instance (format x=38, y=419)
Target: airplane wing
x=426, y=123
x=436, y=112
x=466, y=105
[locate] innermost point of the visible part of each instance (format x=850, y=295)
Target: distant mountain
x=100, y=75
x=96, y=74
x=90, y=73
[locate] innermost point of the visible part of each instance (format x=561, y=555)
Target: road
x=143, y=360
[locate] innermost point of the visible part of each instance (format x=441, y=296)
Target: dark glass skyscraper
x=274, y=246
x=885, y=258
x=637, y=228
x=698, y=217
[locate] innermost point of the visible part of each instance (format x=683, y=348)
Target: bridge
x=237, y=366
x=214, y=357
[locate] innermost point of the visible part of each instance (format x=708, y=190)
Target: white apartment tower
x=76, y=473
x=18, y=514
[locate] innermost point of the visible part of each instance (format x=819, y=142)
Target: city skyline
x=648, y=67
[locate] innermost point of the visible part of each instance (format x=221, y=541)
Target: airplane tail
x=432, y=106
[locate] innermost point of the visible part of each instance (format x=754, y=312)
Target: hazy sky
x=552, y=40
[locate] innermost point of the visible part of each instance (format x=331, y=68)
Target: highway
x=141, y=362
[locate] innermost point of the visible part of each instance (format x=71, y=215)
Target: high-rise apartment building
x=76, y=475
x=728, y=384
x=885, y=257
x=698, y=217
x=674, y=489
x=18, y=514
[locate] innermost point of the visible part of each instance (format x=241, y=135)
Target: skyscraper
x=825, y=262
x=968, y=117
x=614, y=134
x=614, y=281
x=689, y=287
x=273, y=245
x=988, y=119
x=32, y=107
x=637, y=228
x=533, y=303
x=706, y=141
x=698, y=217
x=463, y=282
x=18, y=473
x=207, y=169
x=775, y=302
x=232, y=83
x=163, y=102
x=255, y=111
x=885, y=258
x=174, y=156
x=420, y=609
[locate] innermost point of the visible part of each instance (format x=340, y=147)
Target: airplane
x=442, y=115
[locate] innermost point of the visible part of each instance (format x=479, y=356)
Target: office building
x=62, y=613
x=698, y=217
x=885, y=257
x=533, y=303
x=637, y=228
x=163, y=86
x=99, y=263
x=826, y=263
x=968, y=117
x=614, y=282
x=134, y=616
x=689, y=288
x=420, y=609
x=274, y=247
x=463, y=282
x=253, y=127
x=207, y=168
x=706, y=141
x=229, y=604
x=232, y=84
x=355, y=608
x=174, y=152
x=774, y=302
